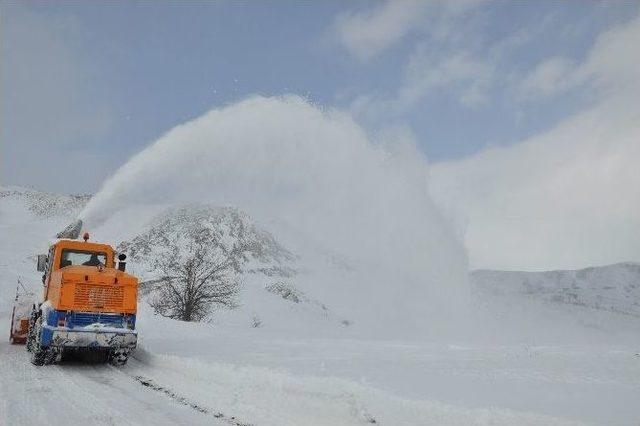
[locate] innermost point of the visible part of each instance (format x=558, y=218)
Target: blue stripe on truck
x=83, y=319
x=79, y=320
x=76, y=321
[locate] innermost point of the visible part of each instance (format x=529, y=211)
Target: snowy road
x=76, y=393
x=164, y=389
x=252, y=380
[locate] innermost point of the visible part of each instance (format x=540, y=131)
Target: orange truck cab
x=89, y=304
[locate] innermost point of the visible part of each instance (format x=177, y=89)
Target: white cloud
x=463, y=75
x=614, y=63
x=611, y=66
x=468, y=76
x=549, y=78
x=566, y=198
x=447, y=56
x=367, y=33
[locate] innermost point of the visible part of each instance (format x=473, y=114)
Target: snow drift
x=358, y=215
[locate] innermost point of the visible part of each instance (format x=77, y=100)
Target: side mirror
x=42, y=262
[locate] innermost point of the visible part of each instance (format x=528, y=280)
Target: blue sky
x=86, y=85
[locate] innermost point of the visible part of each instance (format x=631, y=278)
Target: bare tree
x=195, y=278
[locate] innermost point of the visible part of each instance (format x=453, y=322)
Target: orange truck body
x=87, y=288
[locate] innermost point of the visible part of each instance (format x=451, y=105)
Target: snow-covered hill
x=614, y=288
x=267, y=271
x=29, y=219
x=43, y=204
x=226, y=226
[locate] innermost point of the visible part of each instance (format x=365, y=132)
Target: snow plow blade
x=20, y=316
x=53, y=336
x=19, y=329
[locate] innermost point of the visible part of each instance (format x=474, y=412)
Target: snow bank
x=358, y=215
x=268, y=397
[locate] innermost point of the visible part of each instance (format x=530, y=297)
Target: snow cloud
x=569, y=197
x=321, y=186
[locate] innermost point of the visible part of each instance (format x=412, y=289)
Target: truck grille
x=98, y=296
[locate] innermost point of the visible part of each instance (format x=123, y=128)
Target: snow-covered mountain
x=29, y=219
x=268, y=272
x=614, y=288
x=255, y=250
x=43, y=204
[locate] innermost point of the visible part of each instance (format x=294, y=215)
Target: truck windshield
x=77, y=257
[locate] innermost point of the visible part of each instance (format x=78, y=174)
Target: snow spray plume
x=323, y=188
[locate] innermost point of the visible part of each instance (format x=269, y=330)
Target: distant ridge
x=614, y=288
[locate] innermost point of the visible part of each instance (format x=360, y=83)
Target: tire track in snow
x=142, y=358
x=184, y=401
x=86, y=393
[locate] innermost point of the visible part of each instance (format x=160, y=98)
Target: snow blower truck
x=89, y=304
